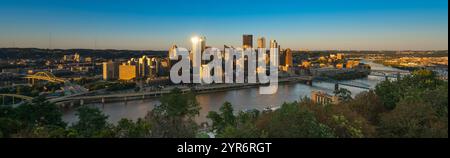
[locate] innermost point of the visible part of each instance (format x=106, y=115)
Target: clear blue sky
x=157, y=24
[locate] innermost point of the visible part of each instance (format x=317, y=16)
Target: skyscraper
x=196, y=58
x=110, y=70
x=261, y=42
x=143, y=67
x=274, y=44
x=247, y=41
x=289, y=59
x=203, y=48
x=203, y=43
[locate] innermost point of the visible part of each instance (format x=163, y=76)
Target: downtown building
x=110, y=70
x=143, y=68
x=140, y=69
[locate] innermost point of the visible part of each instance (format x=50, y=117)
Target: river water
x=242, y=99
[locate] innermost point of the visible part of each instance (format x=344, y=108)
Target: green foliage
x=176, y=104
x=174, y=118
x=15, y=122
x=110, y=86
x=129, y=129
x=347, y=128
x=227, y=125
x=342, y=120
x=413, y=119
x=391, y=92
x=294, y=121
x=368, y=105
x=417, y=106
x=40, y=113
x=92, y=123
x=9, y=127
x=43, y=132
x=224, y=119
x=246, y=130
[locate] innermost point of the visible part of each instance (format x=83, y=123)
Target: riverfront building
x=110, y=70
x=323, y=98
x=127, y=72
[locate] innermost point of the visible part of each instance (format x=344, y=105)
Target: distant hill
x=34, y=53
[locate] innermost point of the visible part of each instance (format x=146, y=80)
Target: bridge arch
x=46, y=76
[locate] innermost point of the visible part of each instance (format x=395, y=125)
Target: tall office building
x=155, y=67
x=199, y=47
x=203, y=43
x=143, y=67
x=110, y=70
x=196, y=58
x=289, y=58
x=247, y=41
x=262, y=42
x=203, y=48
x=274, y=44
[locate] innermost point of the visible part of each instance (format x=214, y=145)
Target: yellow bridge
x=46, y=76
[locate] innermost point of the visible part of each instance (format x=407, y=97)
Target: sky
x=158, y=24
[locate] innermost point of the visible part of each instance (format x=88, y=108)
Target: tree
x=227, y=114
x=368, y=105
x=391, y=92
x=413, y=119
x=437, y=99
x=43, y=132
x=227, y=125
x=25, y=119
x=40, y=113
x=8, y=127
x=224, y=119
x=417, y=106
x=174, y=118
x=294, y=121
x=246, y=130
x=92, y=123
x=341, y=119
x=129, y=129
x=176, y=104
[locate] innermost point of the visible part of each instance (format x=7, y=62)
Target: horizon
x=112, y=49
x=415, y=25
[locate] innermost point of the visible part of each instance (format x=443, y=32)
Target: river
x=242, y=99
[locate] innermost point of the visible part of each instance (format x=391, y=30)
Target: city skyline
x=138, y=25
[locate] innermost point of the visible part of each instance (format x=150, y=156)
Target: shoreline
x=221, y=89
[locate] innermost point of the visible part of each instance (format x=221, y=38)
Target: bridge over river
x=90, y=96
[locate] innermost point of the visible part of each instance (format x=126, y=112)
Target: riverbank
x=200, y=89
x=242, y=99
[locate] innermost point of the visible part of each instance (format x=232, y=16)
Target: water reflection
x=243, y=99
